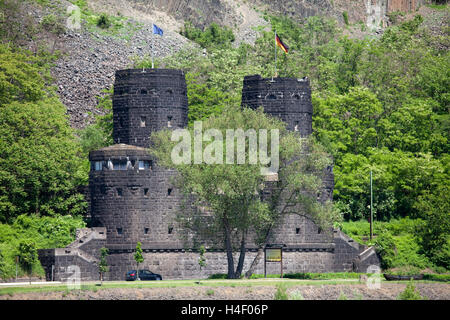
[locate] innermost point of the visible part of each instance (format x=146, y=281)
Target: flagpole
x=275, y=53
x=153, y=27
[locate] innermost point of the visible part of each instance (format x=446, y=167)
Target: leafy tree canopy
x=40, y=164
x=229, y=208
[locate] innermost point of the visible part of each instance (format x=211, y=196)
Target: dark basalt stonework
x=146, y=101
x=289, y=99
x=286, y=98
x=134, y=202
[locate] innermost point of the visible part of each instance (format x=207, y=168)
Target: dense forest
x=380, y=104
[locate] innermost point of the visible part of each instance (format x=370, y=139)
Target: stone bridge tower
x=131, y=196
x=132, y=199
x=145, y=102
x=286, y=98
x=290, y=100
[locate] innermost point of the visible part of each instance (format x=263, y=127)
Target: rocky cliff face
x=403, y=5
x=236, y=13
x=378, y=10
x=225, y=12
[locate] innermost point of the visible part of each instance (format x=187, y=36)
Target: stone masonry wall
x=346, y=250
x=132, y=199
x=80, y=256
x=184, y=265
x=146, y=101
x=134, y=204
x=286, y=98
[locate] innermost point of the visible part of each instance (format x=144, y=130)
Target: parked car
x=143, y=275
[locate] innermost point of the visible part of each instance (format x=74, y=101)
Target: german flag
x=280, y=43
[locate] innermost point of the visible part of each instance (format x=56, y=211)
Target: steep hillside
x=379, y=93
x=90, y=54
x=234, y=13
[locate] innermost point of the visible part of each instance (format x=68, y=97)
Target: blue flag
x=157, y=30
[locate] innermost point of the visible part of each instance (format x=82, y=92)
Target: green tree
x=298, y=187
x=22, y=76
x=347, y=123
x=349, y=59
x=27, y=254
x=202, y=259
x=2, y=265
x=399, y=178
x=226, y=197
x=212, y=36
x=434, y=233
x=99, y=134
x=138, y=257
x=204, y=100
x=103, y=264
x=385, y=247
x=40, y=164
x=410, y=128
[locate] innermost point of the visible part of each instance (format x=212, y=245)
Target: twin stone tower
x=133, y=200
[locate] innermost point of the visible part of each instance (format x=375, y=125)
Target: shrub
x=342, y=296
x=437, y=277
x=202, y=259
x=103, y=21
x=345, y=16
x=281, y=293
x=405, y=271
x=393, y=16
x=27, y=253
x=296, y=295
x=260, y=276
x=410, y=293
x=406, y=238
x=310, y=276
x=385, y=247
x=53, y=24
x=322, y=276
x=212, y=36
x=216, y=276
x=434, y=233
x=45, y=232
x=2, y=264
x=407, y=253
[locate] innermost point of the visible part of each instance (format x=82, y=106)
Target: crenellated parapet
x=148, y=100
x=286, y=98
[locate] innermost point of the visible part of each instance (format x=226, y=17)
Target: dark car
x=143, y=275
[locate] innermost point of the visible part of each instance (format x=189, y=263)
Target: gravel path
x=388, y=291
